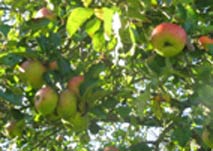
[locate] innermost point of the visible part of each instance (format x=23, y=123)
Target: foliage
x=129, y=90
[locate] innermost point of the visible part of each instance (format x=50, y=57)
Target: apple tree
x=101, y=75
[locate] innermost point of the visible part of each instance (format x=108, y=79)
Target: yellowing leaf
x=77, y=17
x=86, y=2
x=105, y=14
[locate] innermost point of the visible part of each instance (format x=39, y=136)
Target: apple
x=53, y=65
x=45, y=13
x=79, y=122
x=32, y=72
x=207, y=138
x=59, y=138
x=205, y=41
x=168, y=39
x=67, y=105
x=74, y=84
x=110, y=148
x=46, y=100
x=14, y=128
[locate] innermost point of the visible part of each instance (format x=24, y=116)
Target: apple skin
x=45, y=13
x=14, y=128
x=67, y=105
x=74, y=84
x=53, y=65
x=46, y=100
x=205, y=41
x=32, y=72
x=207, y=138
x=110, y=148
x=168, y=39
x=79, y=122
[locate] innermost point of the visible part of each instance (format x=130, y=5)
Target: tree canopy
x=100, y=54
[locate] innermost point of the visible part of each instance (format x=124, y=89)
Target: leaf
x=10, y=59
x=4, y=29
x=77, y=17
x=123, y=111
x=95, y=70
x=182, y=135
x=93, y=26
x=108, y=16
x=86, y=2
x=98, y=41
x=94, y=128
x=140, y=147
x=11, y=97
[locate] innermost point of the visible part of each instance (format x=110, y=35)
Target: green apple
x=46, y=100
x=67, y=105
x=45, y=13
x=168, y=39
x=14, y=128
x=79, y=122
x=32, y=72
x=207, y=138
x=74, y=84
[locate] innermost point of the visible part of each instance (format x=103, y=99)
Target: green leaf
x=11, y=97
x=10, y=59
x=77, y=17
x=140, y=147
x=93, y=26
x=95, y=70
x=4, y=29
x=108, y=16
x=182, y=135
x=98, y=41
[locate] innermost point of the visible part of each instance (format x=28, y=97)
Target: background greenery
x=133, y=93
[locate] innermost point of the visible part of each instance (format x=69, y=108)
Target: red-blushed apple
x=168, y=39
x=74, y=84
x=53, y=65
x=14, y=128
x=46, y=100
x=110, y=148
x=32, y=72
x=79, y=122
x=67, y=105
x=207, y=138
x=205, y=41
x=45, y=13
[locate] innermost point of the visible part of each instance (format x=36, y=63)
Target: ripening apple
x=53, y=65
x=46, y=100
x=168, y=39
x=32, y=72
x=14, y=128
x=74, y=84
x=207, y=138
x=45, y=13
x=79, y=122
x=59, y=138
x=110, y=148
x=67, y=105
x=205, y=41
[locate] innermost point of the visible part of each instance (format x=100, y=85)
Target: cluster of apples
x=48, y=102
x=65, y=105
x=169, y=39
